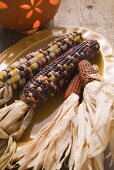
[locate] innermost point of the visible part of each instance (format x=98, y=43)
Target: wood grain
x=94, y=14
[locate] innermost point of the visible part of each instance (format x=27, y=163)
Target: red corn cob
x=74, y=87
x=85, y=69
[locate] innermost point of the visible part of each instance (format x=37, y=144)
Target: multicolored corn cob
x=85, y=69
x=54, y=76
x=25, y=68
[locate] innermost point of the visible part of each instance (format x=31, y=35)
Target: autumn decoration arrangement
x=83, y=125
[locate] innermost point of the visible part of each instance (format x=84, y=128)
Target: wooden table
x=94, y=14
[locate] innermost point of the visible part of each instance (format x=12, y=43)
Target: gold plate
x=31, y=43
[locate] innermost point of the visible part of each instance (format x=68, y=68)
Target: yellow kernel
x=1, y=75
x=35, y=65
x=8, y=69
x=39, y=56
x=65, y=66
x=59, y=49
x=55, y=46
x=71, y=37
x=45, y=52
x=46, y=82
x=45, y=78
x=30, y=70
x=77, y=38
x=14, y=72
x=52, y=78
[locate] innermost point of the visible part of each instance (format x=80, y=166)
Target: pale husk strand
x=82, y=133
x=98, y=105
x=5, y=92
x=14, y=119
x=54, y=139
x=7, y=154
x=95, y=163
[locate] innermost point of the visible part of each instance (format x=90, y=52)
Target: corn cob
x=20, y=71
x=77, y=85
x=85, y=69
x=53, y=77
x=17, y=74
x=74, y=87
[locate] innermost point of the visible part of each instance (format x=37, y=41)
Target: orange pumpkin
x=27, y=15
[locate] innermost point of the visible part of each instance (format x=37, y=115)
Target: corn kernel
x=18, y=71
x=2, y=75
x=13, y=80
x=45, y=78
x=30, y=70
x=8, y=69
x=14, y=72
x=45, y=52
x=52, y=55
x=30, y=94
x=52, y=78
x=65, y=66
x=71, y=37
x=55, y=46
x=46, y=82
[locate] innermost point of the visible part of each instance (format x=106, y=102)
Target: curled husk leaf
x=14, y=119
x=5, y=92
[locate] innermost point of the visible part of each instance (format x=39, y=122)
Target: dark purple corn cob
x=25, y=68
x=53, y=77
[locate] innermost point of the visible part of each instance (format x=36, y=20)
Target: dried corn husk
x=54, y=139
x=95, y=163
x=5, y=92
x=14, y=119
x=82, y=133
x=98, y=106
x=6, y=156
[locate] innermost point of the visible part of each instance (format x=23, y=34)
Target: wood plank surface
x=94, y=14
